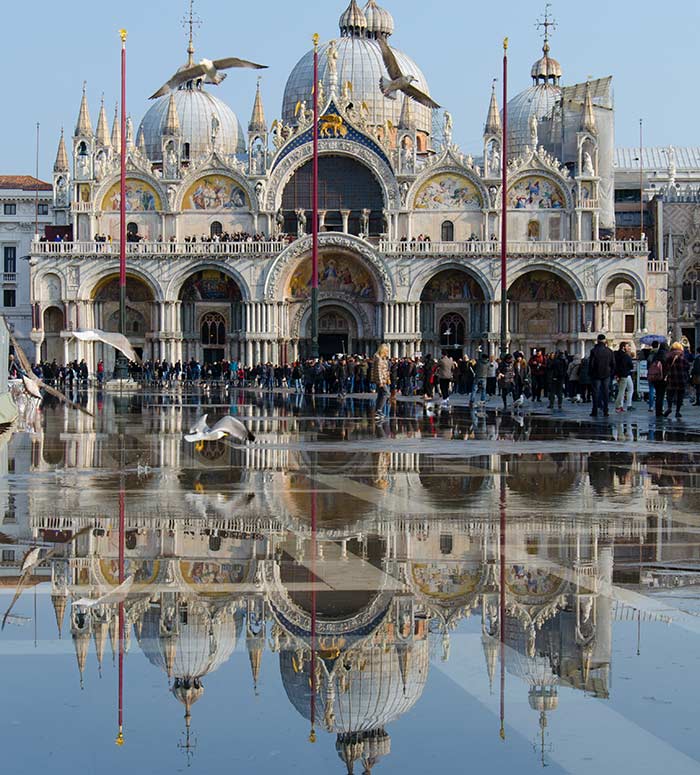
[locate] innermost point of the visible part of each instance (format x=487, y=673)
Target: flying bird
x=32, y=384
x=228, y=426
x=32, y=559
x=207, y=70
x=114, y=596
x=398, y=81
x=118, y=341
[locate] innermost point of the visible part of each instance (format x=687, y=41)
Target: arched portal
x=52, y=348
x=212, y=316
x=348, y=294
x=141, y=315
x=453, y=300
x=542, y=312
x=346, y=189
x=621, y=314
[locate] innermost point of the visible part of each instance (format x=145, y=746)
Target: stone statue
x=215, y=126
x=279, y=220
x=588, y=170
x=83, y=166
x=61, y=192
x=301, y=222
x=534, y=131
x=494, y=160
x=321, y=96
x=364, y=221
x=332, y=59
x=346, y=95
x=260, y=194
x=170, y=162
x=405, y=188
x=448, y=128
x=100, y=165
x=277, y=138
x=386, y=221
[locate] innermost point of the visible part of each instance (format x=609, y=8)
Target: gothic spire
x=406, y=119
x=102, y=128
x=172, y=120
x=141, y=142
x=588, y=122
x=257, y=119
x=493, y=120
x=61, y=165
x=84, y=126
x=116, y=131
x=60, y=601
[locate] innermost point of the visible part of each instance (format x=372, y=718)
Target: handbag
x=655, y=375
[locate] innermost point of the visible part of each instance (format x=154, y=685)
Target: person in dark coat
x=601, y=364
x=557, y=367
x=676, y=373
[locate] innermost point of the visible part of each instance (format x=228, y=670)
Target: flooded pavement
x=352, y=597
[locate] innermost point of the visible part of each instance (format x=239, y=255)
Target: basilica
x=219, y=252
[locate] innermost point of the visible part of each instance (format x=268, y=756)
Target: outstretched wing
x=180, y=77
x=27, y=574
x=116, y=595
x=392, y=66
x=225, y=64
x=118, y=341
x=421, y=97
x=234, y=428
x=26, y=366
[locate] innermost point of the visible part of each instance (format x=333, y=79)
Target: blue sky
x=647, y=46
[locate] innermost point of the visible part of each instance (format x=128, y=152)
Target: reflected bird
x=227, y=427
x=115, y=596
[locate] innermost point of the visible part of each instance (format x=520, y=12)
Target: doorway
x=332, y=344
x=213, y=354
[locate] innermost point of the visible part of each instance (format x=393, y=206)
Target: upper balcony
x=476, y=249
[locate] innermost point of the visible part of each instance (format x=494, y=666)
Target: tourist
x=624, y=366
x=380, y=377
x=538, y=367
x=482, y=371
x=506, y=378
x=446, y=373
x=652, y=387
x=676, y=372
x=572, y=380
x=656, y=374
x=695, y=377
x=556, y=370
x=601, y=365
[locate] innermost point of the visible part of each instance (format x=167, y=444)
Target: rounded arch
x=177, y=283
x=301, y=321
x=284, y=171
x=563, y=273
x=216, y=189
x=535, y=190
x=282, y=268
x=423, y=278
x=110, y=188
x=449, y=169
x=618, y=277
x=94, y=280
x=448, y=191
x=107, y=288
x=53, y=320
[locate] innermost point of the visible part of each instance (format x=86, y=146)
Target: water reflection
x=359, y=609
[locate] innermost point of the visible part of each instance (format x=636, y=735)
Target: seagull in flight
x=206, y=70
x=398, y=81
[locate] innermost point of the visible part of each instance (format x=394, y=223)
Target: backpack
x=655, y=373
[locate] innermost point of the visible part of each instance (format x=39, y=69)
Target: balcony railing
x=164, y=249
x=9, y=277
x=529, y=248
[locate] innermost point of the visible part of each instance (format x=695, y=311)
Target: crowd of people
x=600, y=378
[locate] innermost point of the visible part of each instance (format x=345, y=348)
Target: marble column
x=346, y=219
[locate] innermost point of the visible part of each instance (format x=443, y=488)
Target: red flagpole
x=504, y=207
x=314, y=215
x=122, y=202
x=502, y=595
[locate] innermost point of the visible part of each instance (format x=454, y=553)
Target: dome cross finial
x=189, y=22
x=546, y=23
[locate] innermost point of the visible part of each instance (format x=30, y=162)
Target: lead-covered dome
x=359, y=63
x=195, y=108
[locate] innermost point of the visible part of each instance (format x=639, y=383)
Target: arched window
x=82, y=150
x=213, y=330
x=447, y=231
x=132, y=229
x=185, y=152
x=452, y=330
x=533, y=230
x=216, y=229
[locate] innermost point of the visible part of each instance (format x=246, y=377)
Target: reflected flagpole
x=312, y=574
x=122, y=537
x=502, y=597
x=504, y=207
x=314, y=214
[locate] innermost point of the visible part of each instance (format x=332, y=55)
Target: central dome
x=359, y=63
x=195, y=108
